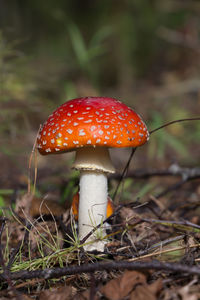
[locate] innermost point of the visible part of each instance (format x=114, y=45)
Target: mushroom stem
x=92, y=207
x=94, y=164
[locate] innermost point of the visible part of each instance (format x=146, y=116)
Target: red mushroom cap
x=91, y=121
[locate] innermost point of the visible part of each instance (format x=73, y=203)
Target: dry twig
x=102, y=266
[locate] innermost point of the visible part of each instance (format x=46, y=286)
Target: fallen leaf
x=156, y=286
x=186, y=294
x=39, y=206
x=120, y=287
x=23, y=205
x=141, y=292
x=31, y=206
x=62, y=293
x=145, y=291
x=13, y=295
x=86, y=296
x=129, y=216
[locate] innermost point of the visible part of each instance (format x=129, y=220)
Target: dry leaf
x=142, y=293
x=145, y=291
x=185, y=293
x=30, y=206
x=63, y=293
x=129, y=216
x=85, y=296
x=120, y=287
x=13, y=234
x=156, y=286
x=23, y=205
x=39, y=206
x=12, y=295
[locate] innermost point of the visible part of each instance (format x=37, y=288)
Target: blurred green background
x=146, y=53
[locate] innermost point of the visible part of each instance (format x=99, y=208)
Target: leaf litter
x=37, y=235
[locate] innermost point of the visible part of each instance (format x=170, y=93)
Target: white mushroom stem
x=93, y=164
x=92, y=206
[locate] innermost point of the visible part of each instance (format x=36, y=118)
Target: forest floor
x=152, y=250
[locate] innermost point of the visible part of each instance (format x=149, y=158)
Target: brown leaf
x=145, y=291
x=186, y=294
x=141, y=292
x=129, y=216
x=25, y=297
x=23, y=205
x=13, y=295
x=31, y=206
x=62, y=293
x=39, y=206
x=156, y=286
x=85, y=296
x=120, y=287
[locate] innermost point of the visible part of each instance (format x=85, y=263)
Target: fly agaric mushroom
x=91, y=126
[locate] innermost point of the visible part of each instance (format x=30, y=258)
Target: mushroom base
x=92, y=207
